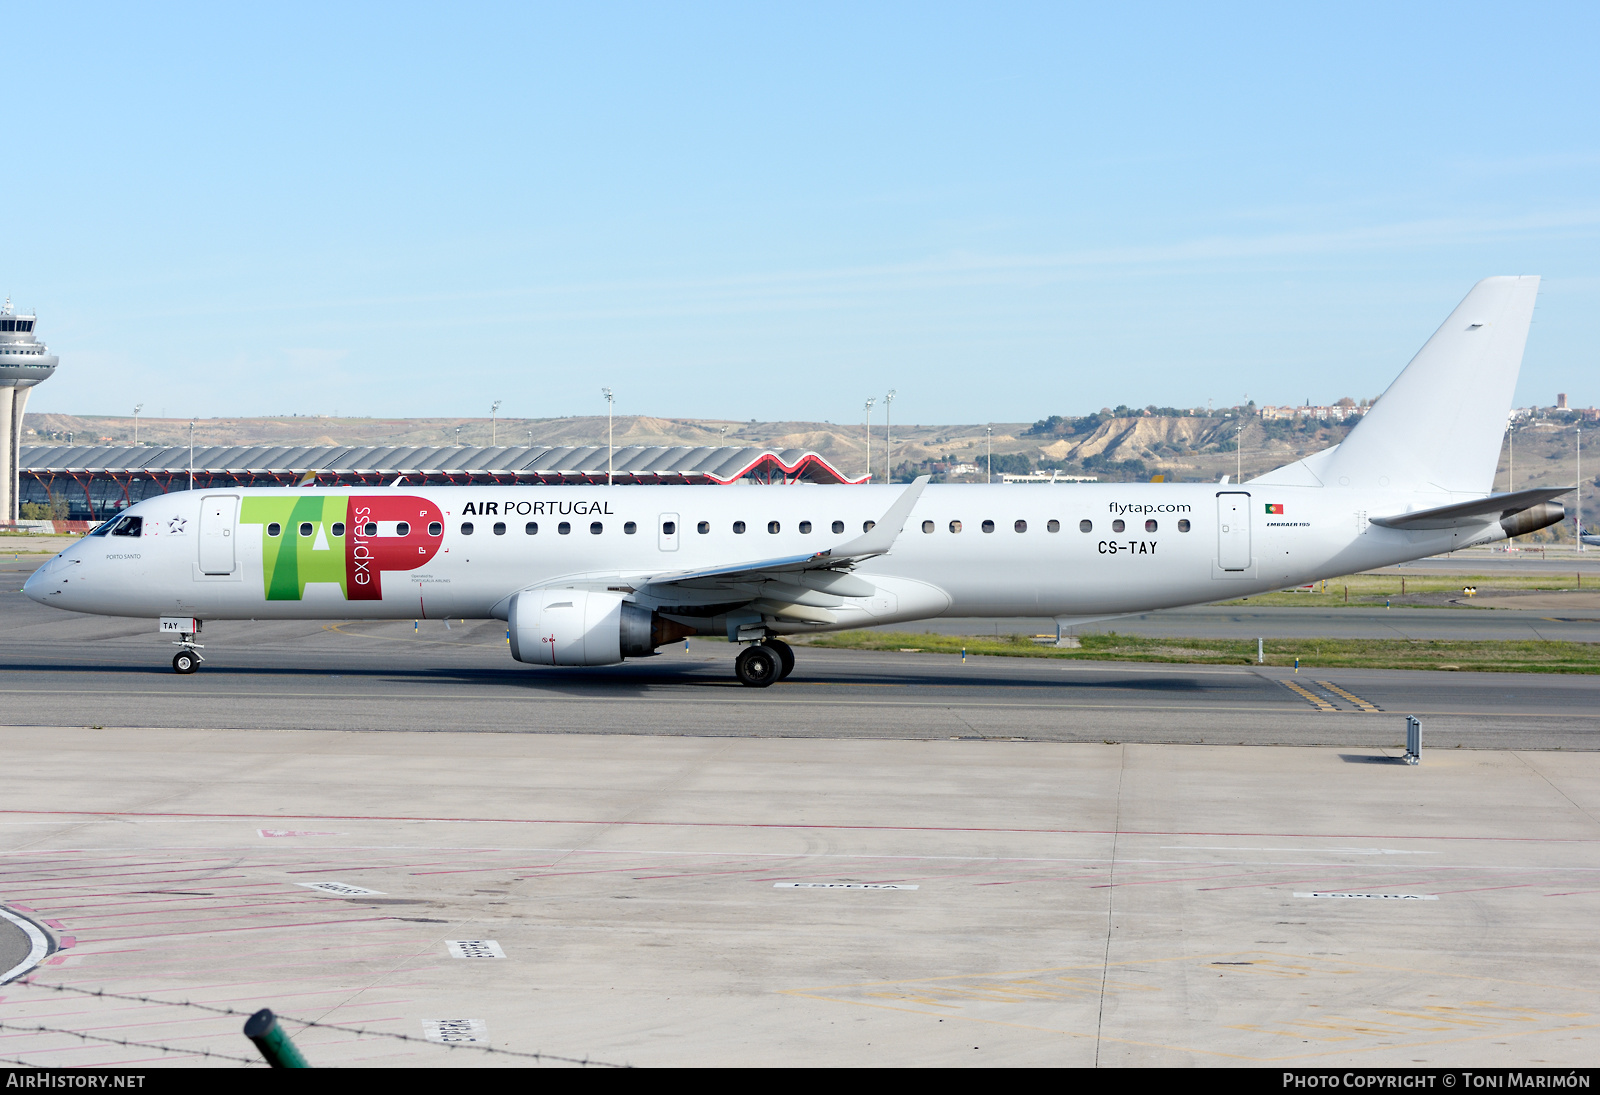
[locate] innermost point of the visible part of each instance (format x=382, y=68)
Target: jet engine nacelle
x=577, y=627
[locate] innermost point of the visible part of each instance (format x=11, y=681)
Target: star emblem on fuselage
x=175, y=525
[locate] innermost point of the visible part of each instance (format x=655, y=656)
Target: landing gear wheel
x=785, y=654
x=758, y=666
x=185, y=661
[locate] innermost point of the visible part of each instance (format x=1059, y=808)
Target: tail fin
x=1441, y=423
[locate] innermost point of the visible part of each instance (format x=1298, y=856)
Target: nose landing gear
x=188, y=657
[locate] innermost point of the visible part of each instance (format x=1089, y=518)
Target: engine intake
x=1533, y=519
x=578, y=627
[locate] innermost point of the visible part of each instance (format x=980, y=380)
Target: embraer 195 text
x=593, y=575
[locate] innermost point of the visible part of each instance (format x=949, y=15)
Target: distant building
x=1334, y=413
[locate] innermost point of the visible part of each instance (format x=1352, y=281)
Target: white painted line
x=1375, y=896
x=840, y=886
x=456, y=1030
x=36, y=953
x=474, y=948
x=339, y=889
x=291, y=832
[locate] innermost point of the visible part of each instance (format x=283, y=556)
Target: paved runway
x=705, y=901
x=657, y=866
x=97, y=671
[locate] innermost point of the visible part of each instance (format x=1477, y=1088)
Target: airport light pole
x=494, y=423
x=610, y=403
x=870, y=402
x=139, y=407
x=1238, y=452
x=988, y=434
x=888, y=437
x=1580, y=485
x=191, y=454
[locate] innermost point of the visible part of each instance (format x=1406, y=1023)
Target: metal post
x=494, y=423
x=888, y=438
x=1261, y=652
x=136, y=411
x=610, y=401
x=1413, y=740
x=262, y=1028
x=870, y=402
x=988, y=433
x=191, y=454
x=1580, y=490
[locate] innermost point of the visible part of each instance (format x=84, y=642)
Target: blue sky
x=761, y=211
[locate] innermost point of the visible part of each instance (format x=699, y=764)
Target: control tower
x=24, y=361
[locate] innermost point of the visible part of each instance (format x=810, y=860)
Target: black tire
x=785, y=654
x=757, y=666
x=185, y=661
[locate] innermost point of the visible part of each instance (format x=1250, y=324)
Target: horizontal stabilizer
x=1498, y=506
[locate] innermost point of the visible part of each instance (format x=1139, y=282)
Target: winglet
x=883, y=534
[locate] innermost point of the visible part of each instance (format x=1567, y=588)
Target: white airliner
x=588, y=576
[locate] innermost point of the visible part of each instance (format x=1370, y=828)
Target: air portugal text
x=528, y=509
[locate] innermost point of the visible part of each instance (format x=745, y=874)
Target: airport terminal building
x=91, y=482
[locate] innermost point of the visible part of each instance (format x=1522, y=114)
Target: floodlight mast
x=136, y=410
x=870, y=402
x=888, y=437
x=610, y=448
x=494, y=412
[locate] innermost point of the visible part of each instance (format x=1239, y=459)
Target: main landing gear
x=764, y=663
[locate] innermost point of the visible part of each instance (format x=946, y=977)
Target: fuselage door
x=1233, y=531
x=218, y=515
x=667, y=532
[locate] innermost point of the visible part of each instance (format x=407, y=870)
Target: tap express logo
x=343, y=541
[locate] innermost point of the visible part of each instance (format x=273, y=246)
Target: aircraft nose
x=39, y=583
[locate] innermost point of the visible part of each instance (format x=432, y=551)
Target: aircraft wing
x=1469, y=513
x=825, y=568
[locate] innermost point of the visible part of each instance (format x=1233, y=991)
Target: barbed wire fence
x=305, y=1024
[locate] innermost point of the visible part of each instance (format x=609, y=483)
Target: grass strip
x=1367, y=590
x=1518, y=656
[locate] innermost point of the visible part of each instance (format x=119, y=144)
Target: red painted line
x=805, y=825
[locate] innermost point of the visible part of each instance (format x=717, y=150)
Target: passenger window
x=435, y=528
x=306, y=528
x=403, y=528
x=866, y=526
x=668, y=528
x=632, y=527
x=274, y=529
x=1053, y=526
x=772, y=527
x=704, y=527
x=1118, y=525
x=371, y=529
x=955, y=526
x=564, y=528
x=927, y=526
x=988, y=526
x=1085, y=526
x=805, y=528
x=1021, y=526
x=738, y=526
x=531, y=528
x=1183, y=525
x=337, y=529
x=838, y=527
x=466, y=528
x=1150, y=525
x=596, y=528
x=499, y=528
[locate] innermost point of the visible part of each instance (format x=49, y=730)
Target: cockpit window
x=102, y=528
x=128, y=526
